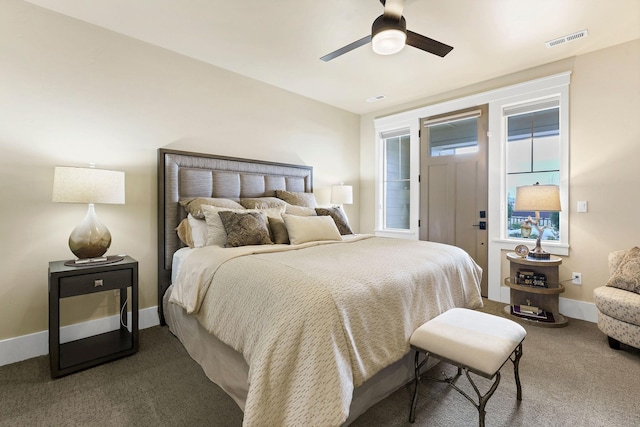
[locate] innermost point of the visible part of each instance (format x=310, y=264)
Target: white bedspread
x=314, y=321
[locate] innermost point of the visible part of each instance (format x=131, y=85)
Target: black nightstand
x=65, y=281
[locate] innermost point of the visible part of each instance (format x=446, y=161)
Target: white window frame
x=392, y=126
x=560, y=246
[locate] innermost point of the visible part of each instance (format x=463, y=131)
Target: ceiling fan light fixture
x=388, y=42
x=388, y=35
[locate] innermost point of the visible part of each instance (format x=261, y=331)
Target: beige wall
x=604, y=154
x=72, y=93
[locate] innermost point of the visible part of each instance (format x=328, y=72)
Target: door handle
x=482, y=225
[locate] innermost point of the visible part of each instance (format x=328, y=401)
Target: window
x=453, y=134
x=396, y=182
x=533, y=155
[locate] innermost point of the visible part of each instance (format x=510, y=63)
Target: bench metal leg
x=418, y=365
x=516, y=372
x=482, y=399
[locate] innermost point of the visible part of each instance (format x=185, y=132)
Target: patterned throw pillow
x=263, y=203
x=244, y=229
x=339, y=217
x=627, y=275
x=299, y=199
x=194, y=205
x=299, y=210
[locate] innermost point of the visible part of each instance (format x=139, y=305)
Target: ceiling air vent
x=567, y=38
x=375, y=98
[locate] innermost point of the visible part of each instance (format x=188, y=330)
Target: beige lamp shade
x=91, y=239
x=540, y=198
x=341, y=194
x=88, y=185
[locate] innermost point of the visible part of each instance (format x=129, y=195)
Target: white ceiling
x=280, y=42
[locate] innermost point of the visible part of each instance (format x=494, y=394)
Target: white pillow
x=216, y=233
x=303, y=229
x=198, y=231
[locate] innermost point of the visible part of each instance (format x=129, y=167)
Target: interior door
x=453, y=182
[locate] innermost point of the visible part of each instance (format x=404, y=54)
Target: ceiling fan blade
x=427, y=44
x=347, y=48
x=393, y=8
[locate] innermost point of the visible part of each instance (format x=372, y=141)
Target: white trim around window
x=388, y=130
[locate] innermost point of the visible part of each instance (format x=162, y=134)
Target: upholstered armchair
x=618, y=302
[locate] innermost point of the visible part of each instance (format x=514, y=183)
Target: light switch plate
x=582, y=206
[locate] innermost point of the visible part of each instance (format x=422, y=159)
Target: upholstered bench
x=472, y=341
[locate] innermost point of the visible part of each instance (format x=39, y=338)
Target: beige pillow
x=299, y=199
x=627, y=275
x=339, y=217
x=299, y=210
x=278, y=229
x=302, y=229
x=194, y=205
x=184, y=233
x=245, y=228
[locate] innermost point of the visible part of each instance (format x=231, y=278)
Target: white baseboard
x=578, y=309
x=568, y=307
x=27, y=346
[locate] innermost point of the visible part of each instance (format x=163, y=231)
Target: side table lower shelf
x=559, y=319
x=94, y=350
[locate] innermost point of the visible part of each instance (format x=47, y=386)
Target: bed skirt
x=228, y=369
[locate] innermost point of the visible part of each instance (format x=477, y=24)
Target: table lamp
x=341, y=194
x=538, y=198
x=90, y=239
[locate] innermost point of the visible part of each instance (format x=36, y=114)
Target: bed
x=309, y=333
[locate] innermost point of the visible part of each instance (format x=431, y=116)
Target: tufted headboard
x=183, y=174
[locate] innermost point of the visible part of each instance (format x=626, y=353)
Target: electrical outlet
x=576, y=278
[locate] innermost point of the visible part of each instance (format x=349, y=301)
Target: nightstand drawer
x=96, y=282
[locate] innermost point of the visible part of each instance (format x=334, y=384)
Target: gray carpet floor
x=570, y=377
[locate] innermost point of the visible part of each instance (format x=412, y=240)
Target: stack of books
x=530, y=278
x=532, y=313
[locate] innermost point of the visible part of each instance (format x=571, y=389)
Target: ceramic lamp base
x=91, y=238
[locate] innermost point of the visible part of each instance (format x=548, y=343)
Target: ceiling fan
x=389, y=35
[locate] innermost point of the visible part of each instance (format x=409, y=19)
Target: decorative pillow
x=184, y=233
x=198, y=231
x=263, y=203
x=278, y=229
x=194, y=205
x=246, y=228
x=299, y=210
x=339, y=217
x=303, y=229
x=627, y=275
x=299, y=199
x=216, y=233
